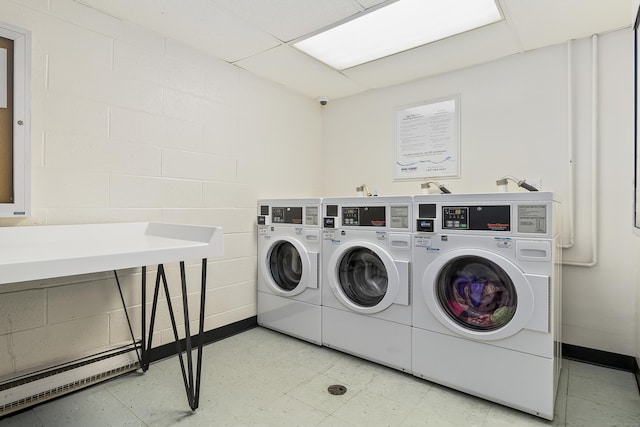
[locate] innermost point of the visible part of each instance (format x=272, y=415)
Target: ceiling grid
x=256, y=35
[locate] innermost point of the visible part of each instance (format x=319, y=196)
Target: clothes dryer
x=365, y=288
x=486, y=296
x=289, y=244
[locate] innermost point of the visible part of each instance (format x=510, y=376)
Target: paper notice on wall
x=3, y=78
x=427, y=141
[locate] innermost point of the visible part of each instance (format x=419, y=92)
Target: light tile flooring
x=263, y=378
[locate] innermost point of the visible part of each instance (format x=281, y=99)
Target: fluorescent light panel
x=397, y=27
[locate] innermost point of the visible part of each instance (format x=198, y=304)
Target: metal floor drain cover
x=337, y=390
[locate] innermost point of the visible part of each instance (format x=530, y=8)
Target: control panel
x=455, y=218
x=527, y=218
x=478, y=218
x=369, y=216
x=385, y=216
x=286, y=215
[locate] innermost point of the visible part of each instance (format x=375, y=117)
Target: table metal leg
x=144, y=364
x=152, y=321
x=203, y=294
x=126, y=313
x=191, y=382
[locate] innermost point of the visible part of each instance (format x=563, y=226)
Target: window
x=15, y=121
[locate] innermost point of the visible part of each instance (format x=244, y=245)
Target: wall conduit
x=594, y=159
x=571, y=149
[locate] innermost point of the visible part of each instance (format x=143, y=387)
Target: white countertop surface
x=39, y=252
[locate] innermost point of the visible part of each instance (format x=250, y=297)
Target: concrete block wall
x=127, y=126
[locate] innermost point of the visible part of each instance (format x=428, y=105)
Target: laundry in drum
x=481, y=301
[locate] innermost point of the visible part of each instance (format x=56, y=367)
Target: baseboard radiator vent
x=23, y=391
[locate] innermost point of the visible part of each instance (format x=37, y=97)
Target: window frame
x=21, y=205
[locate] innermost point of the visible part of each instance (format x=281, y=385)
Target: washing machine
x=289, y=243
x=366, y=254
x=486, y=296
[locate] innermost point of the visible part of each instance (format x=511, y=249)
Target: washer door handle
x=313, y=270
x=403, y=275
x=541, y=317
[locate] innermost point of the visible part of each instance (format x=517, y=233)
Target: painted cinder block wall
x=131, y=126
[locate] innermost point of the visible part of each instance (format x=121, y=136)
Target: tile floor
x=263, y=378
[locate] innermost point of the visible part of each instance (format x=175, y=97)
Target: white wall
x=130, y=126
x=515, y=121
x=599, y=305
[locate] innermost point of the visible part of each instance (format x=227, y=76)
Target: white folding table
x=42, y=252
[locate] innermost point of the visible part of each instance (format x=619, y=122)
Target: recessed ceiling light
x=397, y=27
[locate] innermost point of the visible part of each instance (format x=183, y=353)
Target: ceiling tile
x=203, y=25
x=290, y=19
x=292, y=68
x=545, y=22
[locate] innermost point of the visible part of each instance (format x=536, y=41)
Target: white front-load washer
x=366, y=254
x=289, y=243
x=486, y=296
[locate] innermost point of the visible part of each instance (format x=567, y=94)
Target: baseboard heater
x=31, y=388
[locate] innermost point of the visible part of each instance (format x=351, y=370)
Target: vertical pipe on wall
x=571, y=148
x=595, y=130
x=594, y=158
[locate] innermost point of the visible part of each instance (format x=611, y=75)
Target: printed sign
x=427, y=140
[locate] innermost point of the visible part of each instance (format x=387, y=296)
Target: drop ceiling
x=256, y=35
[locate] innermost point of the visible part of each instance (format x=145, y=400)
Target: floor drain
x=337, y=390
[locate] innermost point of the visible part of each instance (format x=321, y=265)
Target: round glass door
x=285, y=265
x=363, y=277
x=476, y=293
